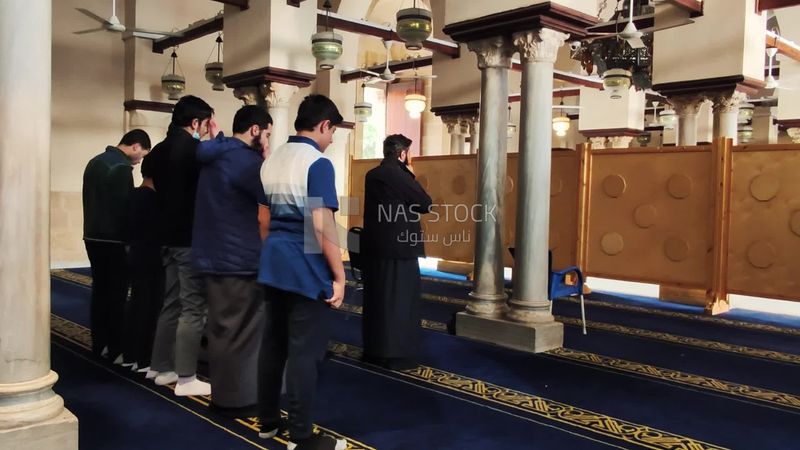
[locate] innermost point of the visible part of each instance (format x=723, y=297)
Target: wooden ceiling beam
x=195, y=31
x=394, y=66
x=763, y=5
x=784, y=46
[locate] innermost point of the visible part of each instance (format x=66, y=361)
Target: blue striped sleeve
x=322, y=184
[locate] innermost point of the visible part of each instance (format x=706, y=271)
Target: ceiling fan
x=630, y=33
x=113, y=24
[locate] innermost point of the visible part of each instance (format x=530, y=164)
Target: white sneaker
x=144, y=369
x=320, y=442
x=165, y=378
x=150, y=374
x=192, y=386
x=119, y=361
x=269, y=434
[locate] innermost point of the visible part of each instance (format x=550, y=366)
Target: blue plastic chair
x=558, y=287
x=557, y=284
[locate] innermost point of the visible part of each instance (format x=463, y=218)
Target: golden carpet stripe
x=81, y=336
x=655, y=311
x=770, y=355
x=688, y=379
x=631, y=432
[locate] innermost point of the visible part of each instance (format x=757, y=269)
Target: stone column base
x=58, y=433
x=532, y=338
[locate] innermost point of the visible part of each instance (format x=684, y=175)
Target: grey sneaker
x=318, y=442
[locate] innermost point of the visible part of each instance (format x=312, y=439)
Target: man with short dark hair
x=226, y=245
x=107, y=186
x=302, y=269
x=391, y=243
x=181, y=321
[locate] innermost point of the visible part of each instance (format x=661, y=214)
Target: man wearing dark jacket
x=226, y=245
x=107, y=186
x=181, y=320
x=391, y=243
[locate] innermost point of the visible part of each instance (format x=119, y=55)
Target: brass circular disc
x=614, y=186
x=556, y=186
x=794, y=223
x=459, y=185
x=676, y=248
x=761, y=254
x=645, y=216
x=680, y=186
x=612, y=243
x=764, y=188
x=509, y=185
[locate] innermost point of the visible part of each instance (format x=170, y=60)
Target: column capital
x=620, y=141
x=794, y=133
x=539, y=45
x=687, y=105
x=493, y=52
x=598, y=142
x=279, y=95
x=453, y=124
x=727, y=102
x=252, y=95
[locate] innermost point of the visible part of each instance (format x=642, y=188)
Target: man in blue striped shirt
x=302, y=269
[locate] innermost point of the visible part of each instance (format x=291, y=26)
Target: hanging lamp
x=414, y=103
x=414, y=25
x=561, y=122
x=214, y=69
x=326, y=46
x=362, y=110
x=511, y=127
x=173, y=84
x=616, y=81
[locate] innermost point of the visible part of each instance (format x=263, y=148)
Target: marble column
x=454, y=130
x=620, y=141
x=494, y=59
x=726, y=114
x=32, y=416
x=462, y=136
x=529, y=302
x=278, y=98
x=598, y=142
x=687, y=107
x=794, y=134
x=473, y=135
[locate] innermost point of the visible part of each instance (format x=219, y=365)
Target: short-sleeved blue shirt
x=297, y=179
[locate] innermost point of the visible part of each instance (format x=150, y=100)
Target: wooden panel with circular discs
x=649, y=216
x=765, y=223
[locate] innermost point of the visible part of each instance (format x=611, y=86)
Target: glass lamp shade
x=414, y=26
x=746, y=112
x=745, y=133
x=214, y=75
x=415, y=104
x=362, y=111
x=511, y=130
x=326, y=46
x=173, y=85
x=668, y=118
x=616, y=82
x=561, y=125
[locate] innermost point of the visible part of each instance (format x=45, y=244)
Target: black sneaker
x=318, y=442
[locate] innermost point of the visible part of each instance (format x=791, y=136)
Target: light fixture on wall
x=173, y=84
x=745, y=133
x=414, y=103
x=667, y=118
x=616, y=82
x=414, y=26
x=214, y=69
x=561, y=122
x=326, y=46
x=511, y=128
x=746, y=112
x=362, y=110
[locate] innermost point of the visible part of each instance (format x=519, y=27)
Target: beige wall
x=599, y=111
x=457, y=12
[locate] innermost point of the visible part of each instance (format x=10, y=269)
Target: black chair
x=353, y=249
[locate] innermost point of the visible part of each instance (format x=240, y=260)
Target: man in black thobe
x=391, y=243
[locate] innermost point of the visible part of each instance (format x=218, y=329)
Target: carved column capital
x=727, y=102
x=453, y=124
x=539, y=45
x=493, y=52
x=794, y=133
x=687, y=105
x=279, y=95
x=620, y=141
x=251, y=95
x=598, y=142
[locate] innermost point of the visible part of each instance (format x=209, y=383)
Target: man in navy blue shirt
x=226, y=243
x=301, y=266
